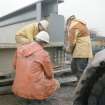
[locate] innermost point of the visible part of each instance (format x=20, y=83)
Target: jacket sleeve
x=72, y=37
x=48, y=68
x=21, y=31
x=27, y=32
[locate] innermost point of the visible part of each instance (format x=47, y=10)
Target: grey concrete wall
x=23, y=17
x=56, y=28
x=6, y=59
x=7, y=33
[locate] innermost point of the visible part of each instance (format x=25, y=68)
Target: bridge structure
x=10, y=23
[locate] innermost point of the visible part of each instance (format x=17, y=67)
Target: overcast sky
x=7, y=6
x=92, y=11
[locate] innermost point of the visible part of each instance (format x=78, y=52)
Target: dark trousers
x=22, y=101
x=78, y=65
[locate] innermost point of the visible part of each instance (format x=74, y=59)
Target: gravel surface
x=63, y=96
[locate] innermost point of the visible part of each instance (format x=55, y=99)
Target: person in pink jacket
x=34, y=79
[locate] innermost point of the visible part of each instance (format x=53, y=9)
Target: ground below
x=63, y=96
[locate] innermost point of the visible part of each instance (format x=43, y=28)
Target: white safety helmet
x=44, y=24
x=43, y=36
x=82, y=21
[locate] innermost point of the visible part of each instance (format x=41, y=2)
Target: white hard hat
x=44, y=24
x=44, y=36
x=82, y=21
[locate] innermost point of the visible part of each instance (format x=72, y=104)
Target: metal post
x=56, y=7
x=39, y=11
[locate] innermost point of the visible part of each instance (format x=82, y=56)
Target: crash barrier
x=6, y=81
x=58, y=56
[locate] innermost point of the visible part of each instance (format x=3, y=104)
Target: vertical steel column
x=56, y=7
x=39, y=11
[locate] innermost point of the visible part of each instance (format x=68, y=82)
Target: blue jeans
x=22, y=101
x=78, y=65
